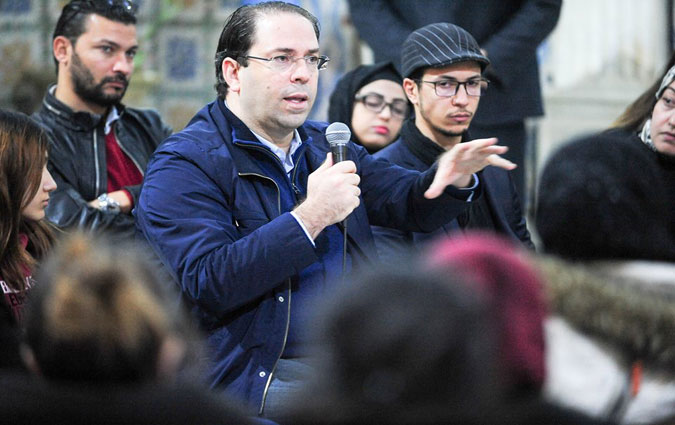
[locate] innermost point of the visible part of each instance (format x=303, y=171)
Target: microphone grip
x=339, y=151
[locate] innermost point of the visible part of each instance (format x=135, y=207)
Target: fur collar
x=629, y=305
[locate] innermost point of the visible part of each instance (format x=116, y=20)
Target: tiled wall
x=174, y=70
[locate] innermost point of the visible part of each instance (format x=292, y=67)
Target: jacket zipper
x=295, y=188
x=96, y=164
x=288, y=316
x=119, y=143
x=295, y=169
x=51, y=108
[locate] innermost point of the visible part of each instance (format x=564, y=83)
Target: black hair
x=395, y=345
x=601, y=197
x=72, y=20
x=416, y=75
x=237, y=35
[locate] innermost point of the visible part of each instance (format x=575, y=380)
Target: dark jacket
x=30, y=400
x=77, y=161
x=500, y=212
x=214, y=216
x=509, y=30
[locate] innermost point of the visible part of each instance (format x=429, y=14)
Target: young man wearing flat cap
x=442, y=66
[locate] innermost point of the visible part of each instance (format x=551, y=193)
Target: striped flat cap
x=437, y=45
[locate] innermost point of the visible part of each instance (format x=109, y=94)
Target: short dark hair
x=73, y=15
x=395, y=343
x=237, y=35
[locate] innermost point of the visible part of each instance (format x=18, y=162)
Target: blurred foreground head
x=100, y=315
x=497, y=270
x=602, y=197
x=403, y=346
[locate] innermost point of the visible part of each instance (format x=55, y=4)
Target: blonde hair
x=98, y=314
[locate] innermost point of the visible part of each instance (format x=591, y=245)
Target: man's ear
x=411, y=90
x=230, y=69
x=62, y=49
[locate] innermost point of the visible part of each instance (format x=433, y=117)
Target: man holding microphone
x=244, y=204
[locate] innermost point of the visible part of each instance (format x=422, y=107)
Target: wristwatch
x=108, y=204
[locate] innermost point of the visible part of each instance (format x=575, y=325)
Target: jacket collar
x=80, y=121
x=628, y=304
x=420, y=145
x=236, y=133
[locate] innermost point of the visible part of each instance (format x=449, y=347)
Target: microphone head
x=338, y=134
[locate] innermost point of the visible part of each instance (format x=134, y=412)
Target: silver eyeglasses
x=448, y=87
x=283, y=63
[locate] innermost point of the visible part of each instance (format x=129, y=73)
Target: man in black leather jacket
x=99, y=148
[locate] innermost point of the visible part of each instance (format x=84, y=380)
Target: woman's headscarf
x=645, y=133
x=341, y=104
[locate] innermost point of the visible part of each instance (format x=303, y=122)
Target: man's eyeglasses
x=283, y=63
x=375, y=102
x=449, y=88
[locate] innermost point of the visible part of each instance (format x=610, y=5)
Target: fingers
x=344, y=167
x=327, y=163
x=483, y=147
x=436, y=187
x=480, y=143
x=500, y=162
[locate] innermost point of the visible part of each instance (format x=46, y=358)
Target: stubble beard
x=440, y=130
x=86, y=88
x=437, y=129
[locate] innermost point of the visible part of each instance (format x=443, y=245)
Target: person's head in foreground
x=100, y=315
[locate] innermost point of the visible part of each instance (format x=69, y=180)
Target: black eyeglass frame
x=362, y=98
x=459, y=83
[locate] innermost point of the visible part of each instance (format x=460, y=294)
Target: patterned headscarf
x=645, y=133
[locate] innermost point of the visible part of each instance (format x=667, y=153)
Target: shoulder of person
x=150, y=118
x=313, y=127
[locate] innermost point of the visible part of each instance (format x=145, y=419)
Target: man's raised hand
x=456, y=166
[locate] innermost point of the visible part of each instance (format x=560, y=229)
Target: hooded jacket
x=611, y=341
x=77, y=161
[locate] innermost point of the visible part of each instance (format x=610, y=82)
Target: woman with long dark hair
x=25, y=184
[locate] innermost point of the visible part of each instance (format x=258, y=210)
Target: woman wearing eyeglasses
x=371, y=101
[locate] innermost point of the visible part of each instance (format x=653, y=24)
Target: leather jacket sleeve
x=70, y=157
x=68, y=209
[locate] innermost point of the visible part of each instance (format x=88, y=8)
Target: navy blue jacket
x=498, y=191
x=214, y=217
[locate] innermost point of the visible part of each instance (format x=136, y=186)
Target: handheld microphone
x=338, y=135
